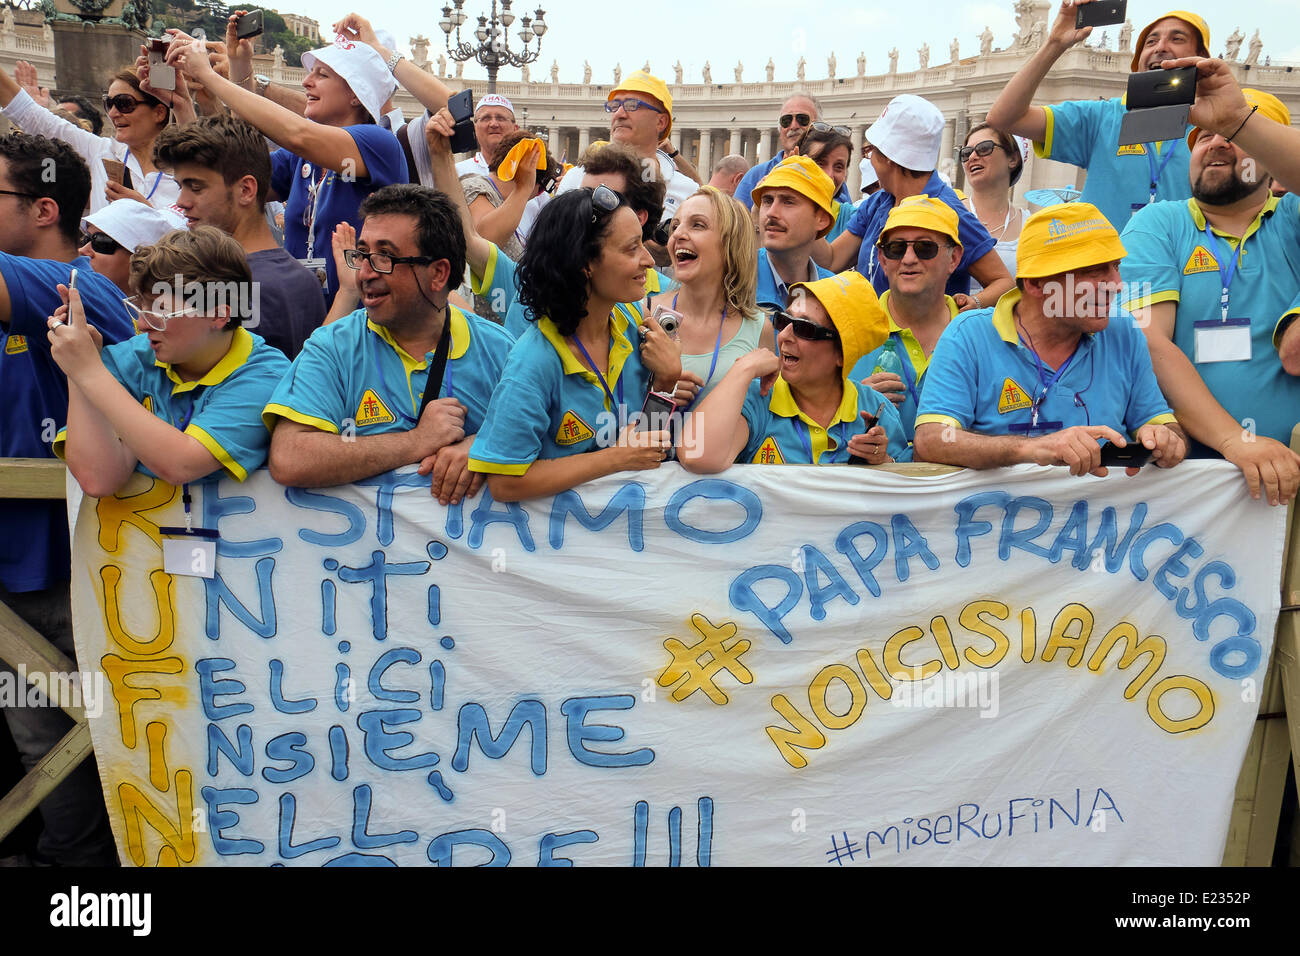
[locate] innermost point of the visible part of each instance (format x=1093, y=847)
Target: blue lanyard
x=1225, y=273
x=603, y=384
x=185, y=488
x=383, y=383
x=717, y=347
x=1157, y=171
x=905, y=362
x=156, y=181
x=805, y=437
x=1042, y=380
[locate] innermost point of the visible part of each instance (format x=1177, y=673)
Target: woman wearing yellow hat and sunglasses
x=798, y=407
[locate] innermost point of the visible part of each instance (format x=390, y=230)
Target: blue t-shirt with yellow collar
x=913, y=360
x=351, y=374
x=497, y=286
x=781, y=434
x=222, y=410
x=1171, y=259
x=982, y=378
x=770, y=292
x=550, y=405
x=1085, y=133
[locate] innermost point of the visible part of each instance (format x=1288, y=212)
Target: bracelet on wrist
x=1243, y=123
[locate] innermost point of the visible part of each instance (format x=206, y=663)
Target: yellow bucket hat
x=1196, y=22
x=924, y=212
x=1267, y=105
x=643, y=82
x=1064, y=238
x=854, y=310
x=807, y=179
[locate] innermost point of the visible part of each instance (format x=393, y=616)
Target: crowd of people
x=245, y=274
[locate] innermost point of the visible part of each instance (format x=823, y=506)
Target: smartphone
x=115, y=170
x=461, y=108
x=1133, y=455
x=161, y=76
x=72, y=281
x=1157, y=104
x=249, y=25
x=1100, y=13
x=668, y=320
x=658, y=408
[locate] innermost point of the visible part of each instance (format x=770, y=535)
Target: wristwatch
x=394, y=60
x=674, y=154
x=260, y=82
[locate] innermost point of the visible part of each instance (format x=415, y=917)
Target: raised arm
x=716, y=432
x=425, y=87
x=437, y=133
x=498, y=224
x=1013, y=111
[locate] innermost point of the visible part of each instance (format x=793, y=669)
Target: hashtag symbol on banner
x=838, y=851
x=695, y=665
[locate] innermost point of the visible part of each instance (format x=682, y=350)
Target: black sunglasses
x=603, y=201
x=123, y=102
x=101, y=242
x=802, y=328
x=979, y=149
x=897, y=248
x=787, y=118
x=821, y=127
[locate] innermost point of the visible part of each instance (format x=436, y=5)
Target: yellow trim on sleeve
x=1278, y=330
x=274, y=411
x=496, y=468
x=1142, y=301
x=480, y=285
x=57, y=446
x=1043, y=150
x=1165, y=419
x=938, y=420
x=237, y=471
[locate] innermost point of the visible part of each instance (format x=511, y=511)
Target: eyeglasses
x=124, y=103
x=14, y=192
x=101, y=242
x=151, y=318
x=821, y=127
x=631, y=104
x=803, y=119
x=979, y=149
x=382, y=262
x=897, y=248
x=802, y=328
x=604, y=201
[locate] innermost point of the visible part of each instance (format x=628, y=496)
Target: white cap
x=868, y=171
x=132, y=224
x=363, y=69
x=495, y=99
x=909, y=132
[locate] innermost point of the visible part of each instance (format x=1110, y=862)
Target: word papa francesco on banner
x=780, y=665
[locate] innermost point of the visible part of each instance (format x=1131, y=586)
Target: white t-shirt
x=477, y=164
x=680, y=186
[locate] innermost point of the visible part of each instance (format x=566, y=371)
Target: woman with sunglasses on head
x=993, y=162
x=798, y=406
x=713, y=250
x=563, y=411
x=332, y=156
x=138, y=118
x=831, y=148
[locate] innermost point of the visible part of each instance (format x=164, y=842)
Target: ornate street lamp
x=493, y=47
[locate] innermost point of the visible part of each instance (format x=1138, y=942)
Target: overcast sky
x=753, y=30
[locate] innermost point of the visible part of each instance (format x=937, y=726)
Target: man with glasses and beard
x=798, y=113
x=1215, y=281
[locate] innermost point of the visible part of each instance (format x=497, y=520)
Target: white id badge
x=1222, y=340
x=316, y=266
x=191, y=553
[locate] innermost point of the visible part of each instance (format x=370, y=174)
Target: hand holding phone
x=461, y=108
x=1100, y=13
x=249, y=25
x=161, y=76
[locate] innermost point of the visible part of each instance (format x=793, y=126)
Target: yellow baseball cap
x=854, y=310
x=643, y=82
x=807, y=179
x=1064, y=238
x=924, y=212
x=1267, y=105
x=1197, y=23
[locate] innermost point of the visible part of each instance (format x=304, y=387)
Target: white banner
x=779, y=665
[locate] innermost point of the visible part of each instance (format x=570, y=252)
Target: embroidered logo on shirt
x=1201, y=260
x=147, y=402
x=1013, y=397
x=572, y=430
x=1137, y=149
x=16, y=344
x=372, y=410
x=769, y=453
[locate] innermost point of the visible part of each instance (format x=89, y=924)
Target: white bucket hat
x=132, y=224
x=362, y=68
x=909, y=132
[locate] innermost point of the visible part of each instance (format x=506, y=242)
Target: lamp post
x=493, y=47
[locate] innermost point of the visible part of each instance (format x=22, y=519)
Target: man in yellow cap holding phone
x=1048, y=375
x=1085, y=133
x=1216, y=283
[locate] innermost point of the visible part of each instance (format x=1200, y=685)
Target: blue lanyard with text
x=613, y=403
x=1047, y=385
x=1156, y=172
x=801, y=429
x=1225, y=273
x=185, y=488
x=905, y=362
x=717, y=347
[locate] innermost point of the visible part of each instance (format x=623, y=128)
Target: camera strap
x=433, y=385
